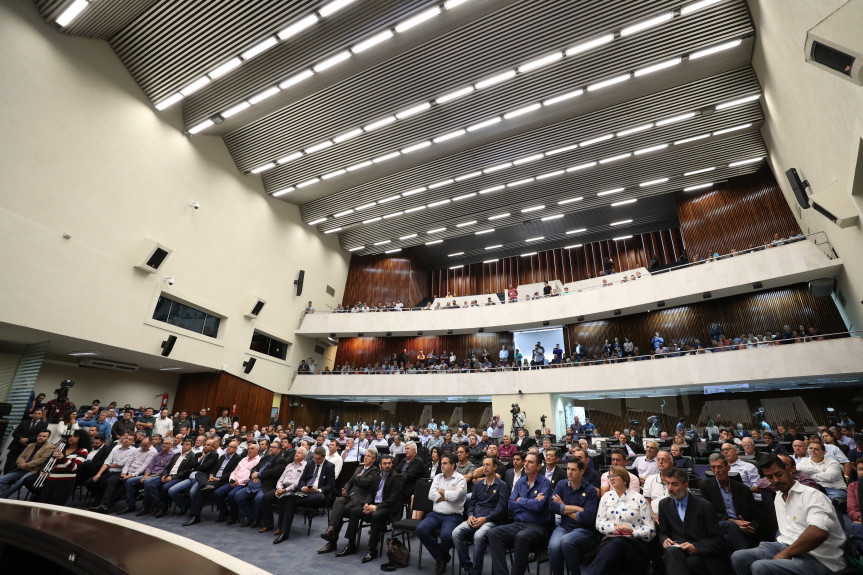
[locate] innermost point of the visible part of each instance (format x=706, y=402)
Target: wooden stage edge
x=87, y=542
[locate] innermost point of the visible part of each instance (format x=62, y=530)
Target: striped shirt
x=66, y=467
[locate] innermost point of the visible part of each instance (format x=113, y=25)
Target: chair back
x=421, y=495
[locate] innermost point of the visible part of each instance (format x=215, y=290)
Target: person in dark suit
x=550, y=469
x=514, y=473
x=205, y=463
x=262, y=481
x=630, y=446
x=355, y=493
x=383, y=505
x=314, y=489
x=208, y=482
x=411, y=468
x=737, y=520
x=88, y=469
x=23, y=435
x=688, y=531
x=523, y=442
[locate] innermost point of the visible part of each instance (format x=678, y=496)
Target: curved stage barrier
x=39, y=538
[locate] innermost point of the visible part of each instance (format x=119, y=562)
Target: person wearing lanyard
x=576, y=501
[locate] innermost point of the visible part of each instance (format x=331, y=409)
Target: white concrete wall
x=84, y=153
x=773, y=267
x=814, y=122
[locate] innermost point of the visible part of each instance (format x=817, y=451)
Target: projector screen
x=549, y=337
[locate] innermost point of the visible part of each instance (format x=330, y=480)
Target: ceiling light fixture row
x=576, y=168
x=256, y=49
x=645, y=184
x=492, y=80
x=508, y=116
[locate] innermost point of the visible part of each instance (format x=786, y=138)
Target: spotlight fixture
x=449, y=332
x=707, y=295
x=332, y=335
x=617, y=312
x=360, y=334
x=482, y=330
x=419, y=333
x=389, y=333
x=545, y=323
x=660, y=303
x=757, y=285
x=580, y=318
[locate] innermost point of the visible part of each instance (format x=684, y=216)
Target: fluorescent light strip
x=331, y=61
x=623, y=202
x=484, y=124
x=519, y=182
x=570, y=201
x=287, y=190
x=581, y=167
x=195, y=86
x=468, y=176
x=296, y=78
x=202, y=126
x=407, y=237
x=356, y=248
x=264, y=168
x=499, y=216
x=492, y=189
x=489, y=261
x=550, y=174
x=379, y=123
x=220, y=71
x=540, y=62
x=652, y=182
x=494, y=247
x=536, y=239
x=436, y=230
x=522, y=111
x=382, y=243
x=641, y=26
x=366, y=206
x=441, y=184
x=449, y=136
x=393, y=251
x=528, y=254
x=455, y=254
x=393, y=215
x=236, y=109
x=715, y=49
x=297, y=26
x=413, y=192
x=449, y=96
x=386, y=157
x=71, y=13
x=634, y=130
x=259, y=47
x=698, y=187
x=372, y=41
x=692, y=139
x=308, y=182
x=589, y=45
x=496, y=79
x=609, y=82
x=596, y=140
x=464, y=197
x=458, y=266
x=416, y=209
x=497, y=168
x=418, y=19
x=737, y=102
x=389, y=199
x=620, y=223
x=561, y=150
x=572, y=247
x=439, y=203
x=675, y=119
x=317, y=221
x=578, y=231
x=609, y=192
x=701, y=171
x=344, y=213
x=348, y=135
x=318, y=147
x=734, y=129
x=416, y=147
x=358, y=166
x=657, y=67
x=621, y=238
x=372, y=220
x=413, y=110
x=465, y=224
x=332, y=231
x=615, y=158
x=745, y=162
x=532, y=209
x=690, y=8
x=549, y=218
x=431, y=243
x=167, y=103
x=260, y=97
x=481, y=232
x=650, y=149
x=563, y=97
x=334, y=7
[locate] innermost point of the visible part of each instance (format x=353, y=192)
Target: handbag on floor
x=397, y=552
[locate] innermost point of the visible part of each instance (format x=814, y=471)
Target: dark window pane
x=211, y=326
x=268, y=345
x=186, y=317
x=260, y=343
x=163, y=306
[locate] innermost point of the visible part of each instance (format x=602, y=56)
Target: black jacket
x=270, y=475
x=741, y=497
x=24, y=431
x=414, y=470
x=526, y=444
x=326, y=481
x=226, y=474
x=103, y=453
x=698, y=527
x=359, y=487
x=392, y=495
x=559, y=474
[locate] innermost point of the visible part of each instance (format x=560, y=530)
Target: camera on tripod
x=515, y=409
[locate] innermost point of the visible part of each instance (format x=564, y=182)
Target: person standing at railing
x=512, y=294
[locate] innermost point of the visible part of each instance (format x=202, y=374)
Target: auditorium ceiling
x=455, y=125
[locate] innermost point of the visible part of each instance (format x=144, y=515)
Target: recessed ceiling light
x=409, y=23
x=644, y=25
x=389, y=199
x=620, y=223
x=454, y=94
x=356, y=248
x=494, y=247
x=464, y=197
x=617, y=239
x=233, y=110
x=72, y=12
x=572, y=247
x=202, y=126
x=167, y=103
x=334, y=7
x=393, y=215
x=468, y=176
x=416, y=209
x=317, y=221
x=416, y=147
x=596, y=140
x=624, y=202
x=492, y=189
x=737, y=102
x=715, y=49
x=264, y=168
x=590, y=44
x=331, y=61
x=609, y=192
x=457, y=267
x=519, y=182
x=455, y=254
x=372, y=220
x=675, y=119
x=481, y=232
x=657, y=67
x=296, y=79
x=347, y=135
x=465, y=224
x=528, y=159
x=581, y=167
x=698, y=187
x=745, y=162
x=528, y=254
x=522, y=111
x=490, y=261
x=550, y=174
x=436, y=230
x=332, y=231
x=499, y=216
x=433, y=242
x=407, y=237
x=692, y=139
x=540, y=62
x=635, y=130
x=393, y=251
x=609, y=82
x=554, y=217
x=690, y=8
x=449, y=136
x=563, y=97
x=358, y=166
x=536, y=239
x=334, y=174
x=570, y=201
x=308, y=182
x=385, y=157
x=578, y=231
x=652, y=182
x=379, y=123
x=413, y=110
x=651, y=149
x=438, y=203
x=732, y=129
x=496, y=79
x=414, y=191
x=532, y=209
x=441, y=184
x=84, y=353
x=497, y=167
x=372, y=41
x=561, y=150
x=615, y=158
x=366, y=206
x=287, y=190
x=197, y=85
x=382, y=243
x=484, y=123
x=701, y=171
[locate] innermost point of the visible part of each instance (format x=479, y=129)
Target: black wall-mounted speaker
x=798, y=187
x=299, y=282
x=248, y=365
x=168, y=345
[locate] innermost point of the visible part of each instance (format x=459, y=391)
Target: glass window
x=186, y=317
x=267, y=345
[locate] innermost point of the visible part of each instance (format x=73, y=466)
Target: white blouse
x=631, y=508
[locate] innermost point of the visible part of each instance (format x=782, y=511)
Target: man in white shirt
x=448, y=492
x=748, y=472
x=655, y=486
x=164, y=425
x=334, y=457
x=826, y=471
x=810, y=536
x=645, y=465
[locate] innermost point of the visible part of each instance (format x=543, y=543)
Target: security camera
x=196, y=205
x=170, y=280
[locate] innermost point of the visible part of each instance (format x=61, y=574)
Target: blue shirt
x=729, y=502
x=530, y=509
x=489, y=501
x=681, y=506
x=379, y=496
x=584, y=496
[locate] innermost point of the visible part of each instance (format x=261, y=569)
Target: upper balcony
x=788, y=264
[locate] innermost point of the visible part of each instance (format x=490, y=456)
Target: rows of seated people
x=613, y=505
x=512, y=295
x=612, y=351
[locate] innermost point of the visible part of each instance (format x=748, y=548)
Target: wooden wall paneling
x=734, y=215
x=365, y=350
x=220, y=389
x=383, y=278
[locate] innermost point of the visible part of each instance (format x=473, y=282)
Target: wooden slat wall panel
x=385, y=278
x=727, y=218
x=566, y=265
x=217, y=390
x=756, y=312
x=364, y=350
